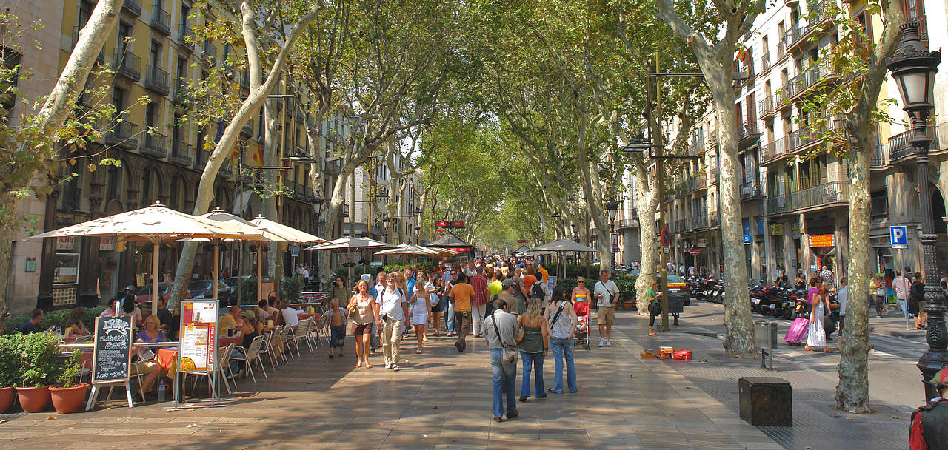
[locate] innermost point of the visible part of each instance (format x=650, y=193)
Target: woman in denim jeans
x=562, y=322
x=534, y=342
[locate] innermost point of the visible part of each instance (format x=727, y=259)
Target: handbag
x=511, y=351
x=655, y=308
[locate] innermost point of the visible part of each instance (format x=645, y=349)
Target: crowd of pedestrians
x=507, y=303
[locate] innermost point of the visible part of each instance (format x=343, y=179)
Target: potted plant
x=8, y=372
x=39, y=365
x=69, y=395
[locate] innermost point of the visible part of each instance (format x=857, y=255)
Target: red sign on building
x=457, y=223
x=442, y=224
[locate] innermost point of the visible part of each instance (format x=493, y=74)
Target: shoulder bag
x=511, y=351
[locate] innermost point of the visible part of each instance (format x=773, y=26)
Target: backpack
x=537, y=291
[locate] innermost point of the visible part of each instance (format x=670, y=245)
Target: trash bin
x=766, y=333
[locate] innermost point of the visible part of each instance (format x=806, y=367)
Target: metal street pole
x=658, y=143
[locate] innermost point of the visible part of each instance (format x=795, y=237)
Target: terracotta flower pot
x=69, y=400
x=7, y=395
x=33, y=399
x=628, y=306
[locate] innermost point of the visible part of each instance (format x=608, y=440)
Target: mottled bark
x=50, y=118
x=273, y=140
x=646, y=202
x=852, y=392
x=222, y=151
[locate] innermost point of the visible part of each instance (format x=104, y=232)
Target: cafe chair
x=286, y=337
x=299, y=334
x=267, y=348
x=252, y=355
x=226, y=373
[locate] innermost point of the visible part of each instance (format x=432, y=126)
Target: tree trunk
x=50, y=118
x=224, y=148
x=272, y=142
x=852, y=392
x=646, y=201
x=739, y=340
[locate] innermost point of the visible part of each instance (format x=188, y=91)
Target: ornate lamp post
x=913, y=69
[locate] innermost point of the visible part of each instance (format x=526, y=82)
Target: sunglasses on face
x=581, y=281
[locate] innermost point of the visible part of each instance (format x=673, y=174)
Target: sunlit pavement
x=442, y=399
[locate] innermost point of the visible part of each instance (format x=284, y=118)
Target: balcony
x=817, y=17
x=128, y=64
x=900, y=146
x=765, y=107
x=801, y=83
x=626, y=224
x=782, y=98
x=750, y=191
x=209, y=52
x=247, y=129
x=695, y=183
x=122, y=134
x=777, y=205
x=817, y=196
x=180, y=94
x=747, y=132
x=765, y=62
x=157, y=80
x=133, y=7
x=187, y=37
x=181, y=153
x=775, y=149
x=160, y=20
x=154, y=145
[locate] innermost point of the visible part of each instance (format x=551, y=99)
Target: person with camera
x=562, y=322
x=501, y=331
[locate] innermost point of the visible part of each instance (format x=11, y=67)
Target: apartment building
x=155, y=55
x=795, y=207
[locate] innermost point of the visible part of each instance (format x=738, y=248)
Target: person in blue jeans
x=534, y=343
x=562, y=320
x=500, y=329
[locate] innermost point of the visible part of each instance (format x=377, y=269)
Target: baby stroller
x=581, y=306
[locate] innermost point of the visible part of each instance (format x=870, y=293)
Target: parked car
x=144, y=293
x=205, y=289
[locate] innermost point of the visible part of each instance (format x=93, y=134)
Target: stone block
x=766, y=401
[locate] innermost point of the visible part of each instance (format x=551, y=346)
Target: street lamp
x=913, y=69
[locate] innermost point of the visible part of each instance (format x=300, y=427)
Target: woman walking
x=437, y=304
x=420, y=308
x=534, y=343
x=562, y=324
x=654, y=305
x=361, y=311
x=816, y=335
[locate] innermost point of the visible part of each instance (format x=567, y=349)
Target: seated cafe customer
x=290, y=315
x=145, y=362
x=229, y=320
x=74, y=325
x=29, y=326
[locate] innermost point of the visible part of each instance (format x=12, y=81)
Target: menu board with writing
x=112, y=354
x=198, y=333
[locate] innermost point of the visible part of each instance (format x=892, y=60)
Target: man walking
x=460, y=297
x=843, y=297
x=393, y=312
x=606, y=293
x=479, y=302
x=500, y=328
x=902, y=285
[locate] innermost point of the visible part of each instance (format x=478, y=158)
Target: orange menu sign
x=821, y=240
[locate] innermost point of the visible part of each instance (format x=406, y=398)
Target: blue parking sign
x=898, y=236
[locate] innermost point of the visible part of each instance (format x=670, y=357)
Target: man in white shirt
x=392, y=314
x=290, y=315
x=901, y=284
x=842, y=296
x=606, y=293
x=500, y=328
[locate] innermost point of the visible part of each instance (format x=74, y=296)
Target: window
x=124, y=35
x=915, y=10
x=879, y=203
x=154, y=55
x=119, y=100
x=151, y=115
x=8, y=81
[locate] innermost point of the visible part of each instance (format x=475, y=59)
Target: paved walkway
x=442, y=400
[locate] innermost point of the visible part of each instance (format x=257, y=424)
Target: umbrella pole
x=259, y=272
x=214, y=272
x=154, y=277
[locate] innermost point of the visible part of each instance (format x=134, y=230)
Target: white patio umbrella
x=155, y=224
x=347, y=244
x=562, y=246
x=277, y=232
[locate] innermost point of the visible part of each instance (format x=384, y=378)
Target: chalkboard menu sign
x=112, y=355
